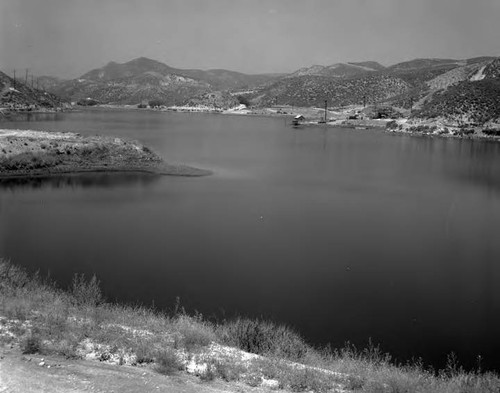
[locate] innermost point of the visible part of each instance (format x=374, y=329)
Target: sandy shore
x=27, y=153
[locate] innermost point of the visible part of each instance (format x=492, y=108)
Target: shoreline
x=36, y=154
x=404, y=126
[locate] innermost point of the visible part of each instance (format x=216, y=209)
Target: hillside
x=467, y=94
x=468, y=102
x=144, y=79
x=213, y=100
x=311, y=90
x=132, y=89
x=18, y=95
x=399, y=85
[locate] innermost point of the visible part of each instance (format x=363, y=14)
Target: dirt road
x=43, y=374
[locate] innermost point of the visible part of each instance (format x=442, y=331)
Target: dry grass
x=49, y=320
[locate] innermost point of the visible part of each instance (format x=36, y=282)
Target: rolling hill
x=144, y=79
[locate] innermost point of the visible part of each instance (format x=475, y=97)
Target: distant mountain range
x=463, y=90
x=144, y=79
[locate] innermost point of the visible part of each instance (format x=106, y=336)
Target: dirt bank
x=25, y=153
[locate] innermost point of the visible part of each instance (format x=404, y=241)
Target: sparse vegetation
x=47, y=319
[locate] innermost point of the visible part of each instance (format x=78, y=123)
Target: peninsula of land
x=26, y=153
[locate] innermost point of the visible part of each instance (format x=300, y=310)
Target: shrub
x=156, y=103
x=305, y=380
x=264, y=338
x=210, y=373
x=392, y=125
x=194, y=331
x=31, y=344
x=167, y=362
x=86, y=293
x=229, y=371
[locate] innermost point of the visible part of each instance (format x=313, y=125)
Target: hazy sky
x=69, y=37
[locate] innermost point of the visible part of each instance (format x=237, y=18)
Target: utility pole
x=364, y=101
x=14, y=79
x=326, y=108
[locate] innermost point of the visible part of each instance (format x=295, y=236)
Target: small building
x=297, y=119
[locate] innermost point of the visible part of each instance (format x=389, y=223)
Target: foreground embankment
x=25, y=153
x=53, y=340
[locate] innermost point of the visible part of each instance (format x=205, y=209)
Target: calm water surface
x=345, y=235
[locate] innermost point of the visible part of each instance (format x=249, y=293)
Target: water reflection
x=477, y=161
x=81, y=180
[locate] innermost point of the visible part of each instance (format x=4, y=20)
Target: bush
x=156, y=103
x=31, y=345
x=392, y=125
x=86, y=293
x=167, y=362
x=194, y=331
x=264, y=338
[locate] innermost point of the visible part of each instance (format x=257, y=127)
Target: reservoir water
x=346, y=235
